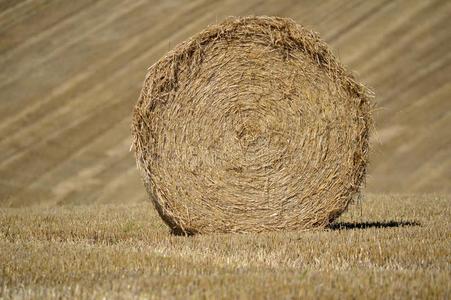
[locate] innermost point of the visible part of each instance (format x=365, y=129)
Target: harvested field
x=398, y=247
x=70, y=75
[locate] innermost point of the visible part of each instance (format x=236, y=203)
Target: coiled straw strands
x=251, y=125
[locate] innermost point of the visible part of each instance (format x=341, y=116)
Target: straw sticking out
x=251, y=125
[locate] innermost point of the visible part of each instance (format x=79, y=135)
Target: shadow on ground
x=367, y=225
x=337, y=226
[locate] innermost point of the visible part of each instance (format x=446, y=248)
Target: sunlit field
x=383, y=247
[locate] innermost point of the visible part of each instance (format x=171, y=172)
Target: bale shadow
x=335, y=226
x=367, y=225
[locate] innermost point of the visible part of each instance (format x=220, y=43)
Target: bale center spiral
x=251, y=125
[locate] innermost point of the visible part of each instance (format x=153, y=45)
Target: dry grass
x=397, y=247
x=251, y=125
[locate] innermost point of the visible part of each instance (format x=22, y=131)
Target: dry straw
x=251, y=125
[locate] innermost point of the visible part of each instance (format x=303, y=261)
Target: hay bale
x=251, y=125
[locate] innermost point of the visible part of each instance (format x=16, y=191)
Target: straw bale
x=251, y=125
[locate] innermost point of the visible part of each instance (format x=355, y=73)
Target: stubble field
x=385, y=247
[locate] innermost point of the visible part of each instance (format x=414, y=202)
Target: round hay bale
x=251, y=125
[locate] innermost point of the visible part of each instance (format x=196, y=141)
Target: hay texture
x=251, y=125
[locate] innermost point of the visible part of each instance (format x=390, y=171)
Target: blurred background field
x=71, y=72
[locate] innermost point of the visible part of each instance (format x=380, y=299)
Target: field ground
x=387, y=247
